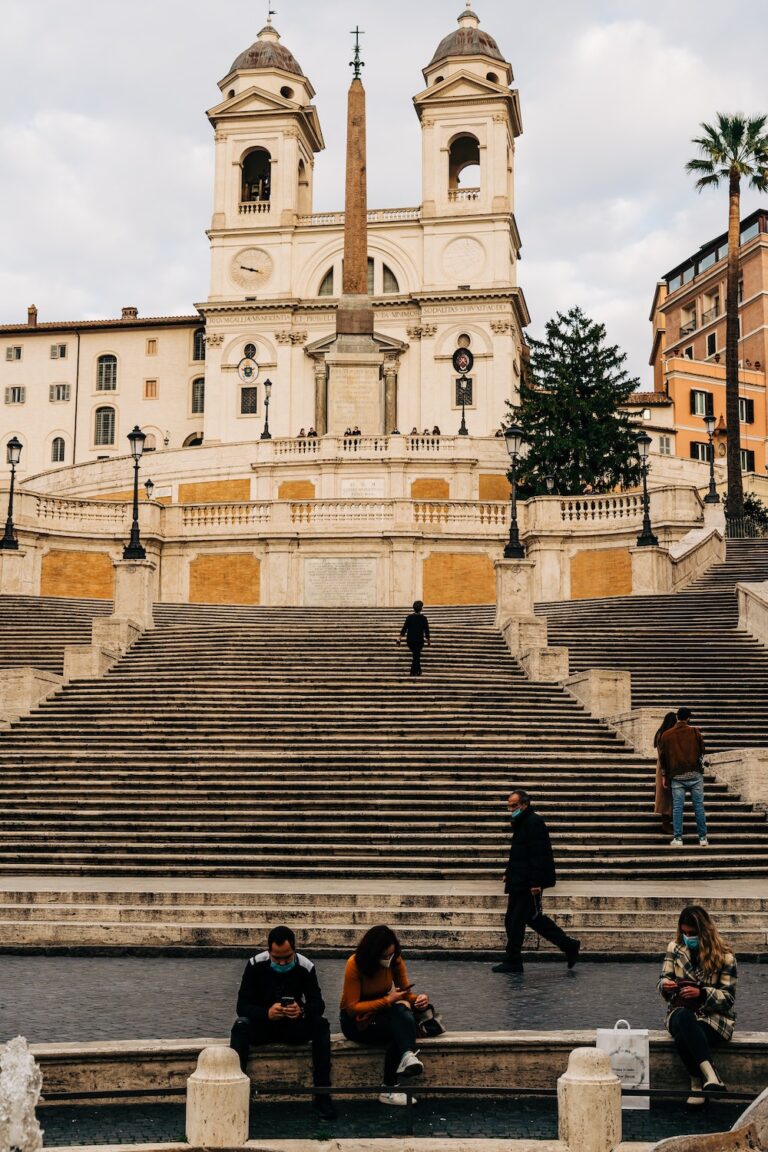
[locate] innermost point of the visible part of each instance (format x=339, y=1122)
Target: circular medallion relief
x=463, y=258
x=251, y=268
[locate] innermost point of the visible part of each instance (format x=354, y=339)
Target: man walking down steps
x=530, y=869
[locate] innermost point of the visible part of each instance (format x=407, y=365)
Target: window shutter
x=750, y=411
x=9, y=353
x=710, y=404
x=693, y=402
x=54, y=351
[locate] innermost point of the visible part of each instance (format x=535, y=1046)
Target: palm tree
x=733, y=149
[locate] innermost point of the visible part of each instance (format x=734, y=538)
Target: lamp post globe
x=134, y=549
x=13, y=456
x=513, y=438
x=712, y=496
x=646, y=539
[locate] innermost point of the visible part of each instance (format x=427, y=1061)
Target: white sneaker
x=703, y=842
x=410, y=1065
x=676, y=843
x=395, y=1099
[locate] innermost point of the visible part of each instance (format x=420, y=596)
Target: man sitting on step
x=280, y=1002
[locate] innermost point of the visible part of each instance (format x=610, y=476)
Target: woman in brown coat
x=663, y=805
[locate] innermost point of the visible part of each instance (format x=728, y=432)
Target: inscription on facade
x=340, y=582
x=362, y=488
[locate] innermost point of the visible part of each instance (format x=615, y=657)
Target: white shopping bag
x=630, y=1059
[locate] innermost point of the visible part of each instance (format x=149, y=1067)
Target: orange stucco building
x=688, y=355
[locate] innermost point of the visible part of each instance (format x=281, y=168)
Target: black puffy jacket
x=261, y=987
x=531, y=863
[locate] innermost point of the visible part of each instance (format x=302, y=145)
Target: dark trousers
x=693, y=1039
x=416, y=649
x=247, y=1033
x=393, y=1029
x=523, y=908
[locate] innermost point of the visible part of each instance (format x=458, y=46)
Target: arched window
x=193, y=441
x=249, y=351
x=257, y=176
x=464, y=169
x=326, y=284
x=104, y=427
x=389, y=279
x=198, y=396
x=150, y=442
x=57, y=450
x=106, y=374
x=198, y=349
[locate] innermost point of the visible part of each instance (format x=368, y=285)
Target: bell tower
x=470, y=119
x=267, y=133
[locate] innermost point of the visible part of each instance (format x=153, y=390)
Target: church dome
x=467, y=40
x=267, y=52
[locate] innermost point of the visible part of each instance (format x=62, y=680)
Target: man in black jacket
x=530, y=869
x=416, y=632
x=280, y=1002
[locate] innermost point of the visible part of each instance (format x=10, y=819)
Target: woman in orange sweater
x=377, y=1007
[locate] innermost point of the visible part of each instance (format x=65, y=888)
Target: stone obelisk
x=354, y=361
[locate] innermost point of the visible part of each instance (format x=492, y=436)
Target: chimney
x=130, y=314
x=32, y=316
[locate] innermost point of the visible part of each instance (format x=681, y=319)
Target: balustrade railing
x=360, y=444
x=591, y=508
x=300, y=446
x=375, y=216
x=341, y=512
x=459, y=194
x=254, y=206
x=225, y=515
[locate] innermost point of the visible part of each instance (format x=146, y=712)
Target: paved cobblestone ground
x=62, y=998
x=455, y=1118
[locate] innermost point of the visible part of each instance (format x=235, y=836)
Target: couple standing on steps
x=679, y=769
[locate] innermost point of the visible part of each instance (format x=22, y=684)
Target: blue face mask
x=282, y=967
x=690, y=941
x=516, y=813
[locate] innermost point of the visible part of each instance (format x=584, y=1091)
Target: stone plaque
x=362, y=488
x=340, y=582
x=354, y=398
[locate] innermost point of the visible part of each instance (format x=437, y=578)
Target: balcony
x=689, y=327
x=254, y=206
x=710, y=315
x=457, y=195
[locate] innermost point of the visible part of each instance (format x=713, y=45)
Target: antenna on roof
x=270, y=13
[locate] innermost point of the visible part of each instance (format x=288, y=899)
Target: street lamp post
x=266, y=434
x=712, y=497
x=463, y=383
x=14, y=447
x=134, y=549
x=646, y=539
x=513, y=437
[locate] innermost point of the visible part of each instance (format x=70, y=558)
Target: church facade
x=441, y=274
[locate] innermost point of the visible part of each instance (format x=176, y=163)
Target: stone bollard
x=134, y=591
x=589, y=1103
x=20, y=1085
x=514, y=589
x=218, y=1095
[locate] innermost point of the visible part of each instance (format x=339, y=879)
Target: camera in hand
x=287, y=1001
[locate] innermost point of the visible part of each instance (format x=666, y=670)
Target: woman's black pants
x=693, y=1039
x=393, y=1029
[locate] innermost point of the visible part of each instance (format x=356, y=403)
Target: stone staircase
x=34, y=630
x=244, y=742
x=681, y=649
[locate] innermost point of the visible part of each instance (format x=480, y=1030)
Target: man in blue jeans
x=681, y=751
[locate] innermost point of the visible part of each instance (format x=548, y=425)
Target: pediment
x=459, y=86
x=387, y=345
x=253, y=99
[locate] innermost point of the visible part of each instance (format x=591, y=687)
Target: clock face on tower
x=251, y=268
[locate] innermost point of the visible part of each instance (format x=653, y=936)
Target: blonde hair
x=713, y=949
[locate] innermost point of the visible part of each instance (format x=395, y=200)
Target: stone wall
x=459, y=578
x=81, y=574
x=602, y=572
x=225, y=578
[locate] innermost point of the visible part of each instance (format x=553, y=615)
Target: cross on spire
x=357, y=63
x=270, y=13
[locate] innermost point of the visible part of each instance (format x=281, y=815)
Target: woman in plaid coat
x=698, y=981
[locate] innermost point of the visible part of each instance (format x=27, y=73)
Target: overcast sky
x=106, y=156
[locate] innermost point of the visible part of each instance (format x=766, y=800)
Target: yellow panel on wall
x=459, y=578
x=87, y=575
x=494, y=487
x=296, y=490
x=427, y=489
x=215, y=492
x=225, y=578
x=602, y=572
x=118, y=496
